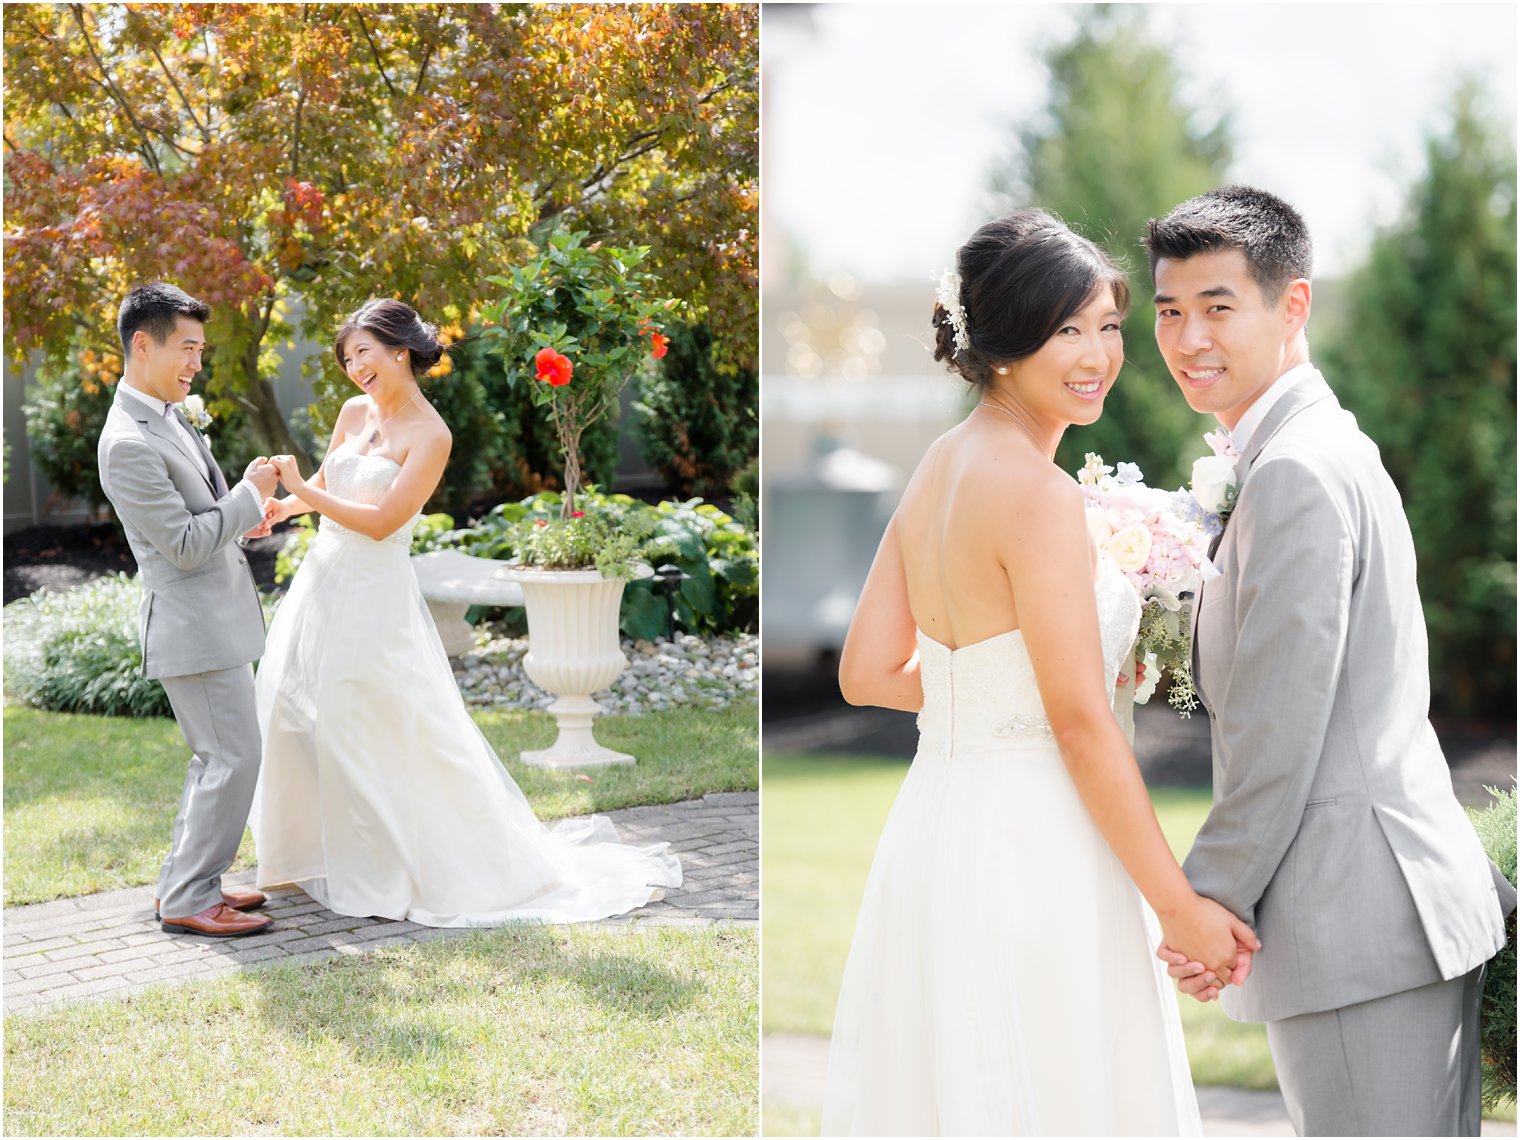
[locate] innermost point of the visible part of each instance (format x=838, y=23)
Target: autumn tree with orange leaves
x=263, y=155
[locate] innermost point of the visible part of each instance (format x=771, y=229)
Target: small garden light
x=668, y=579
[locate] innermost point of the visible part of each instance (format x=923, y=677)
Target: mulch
x=61, y=557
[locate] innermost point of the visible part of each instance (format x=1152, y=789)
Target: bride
x=1001, y=979
x=377, y=793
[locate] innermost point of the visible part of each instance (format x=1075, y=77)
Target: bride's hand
x=276, y=510
x=289, y=473
x=1206, y=932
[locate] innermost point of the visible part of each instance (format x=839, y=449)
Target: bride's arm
x=1045, y=549
x=425, y=461
x=350, y=416
x=879, y=663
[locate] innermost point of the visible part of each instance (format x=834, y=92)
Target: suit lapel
x=161, y=431
x=218, y=484
x=1307, y=392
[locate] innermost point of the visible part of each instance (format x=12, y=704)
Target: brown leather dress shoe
x=216, y=921
x=237, y=900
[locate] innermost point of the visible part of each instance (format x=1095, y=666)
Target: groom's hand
x=1198, y=981
x=262, y=474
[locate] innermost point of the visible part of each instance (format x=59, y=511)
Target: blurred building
x=850, y=400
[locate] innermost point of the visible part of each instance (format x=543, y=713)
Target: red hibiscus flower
x=553, y=369
x=658, y=345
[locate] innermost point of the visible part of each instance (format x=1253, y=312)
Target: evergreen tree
x=1425, y=358
x=1114, y=147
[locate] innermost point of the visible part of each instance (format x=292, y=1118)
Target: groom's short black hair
x=154, y=309
x=1262, y=226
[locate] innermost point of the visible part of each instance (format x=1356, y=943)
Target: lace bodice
x=983, y=695
x=363, y=478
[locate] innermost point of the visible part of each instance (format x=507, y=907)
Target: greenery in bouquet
x=1158, y=540
x=574, y=323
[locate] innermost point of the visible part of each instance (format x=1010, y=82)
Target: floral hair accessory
x=948, y=293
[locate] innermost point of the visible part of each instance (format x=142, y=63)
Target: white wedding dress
x=377, y=794
x=1002, y=979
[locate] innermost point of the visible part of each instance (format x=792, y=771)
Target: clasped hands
x=266, y=474
x=1197, y=980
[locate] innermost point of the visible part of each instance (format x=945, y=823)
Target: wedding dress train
x=1002, y=977
x=377, y=794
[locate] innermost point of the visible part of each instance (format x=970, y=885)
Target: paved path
x=792, y=1072
x=109, y=944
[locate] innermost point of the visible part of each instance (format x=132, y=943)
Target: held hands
x=289, y=473
x=276, y=511
x=1197, y=980
x=1213, y=948
x=262, y=475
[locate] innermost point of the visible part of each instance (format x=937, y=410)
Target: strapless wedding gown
x=1002, y=979
x=377, y=794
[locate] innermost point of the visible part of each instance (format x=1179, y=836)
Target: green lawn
x=820, y=821
x=89, y=800
x=520, y=1031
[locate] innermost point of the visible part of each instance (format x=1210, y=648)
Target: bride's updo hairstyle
x=395, y=325
x=1021, y=278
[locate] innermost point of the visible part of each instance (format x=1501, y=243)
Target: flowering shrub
x=574, y=323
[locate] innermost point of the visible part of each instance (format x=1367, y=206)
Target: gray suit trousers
x=217, y=714
x=1402, y=1065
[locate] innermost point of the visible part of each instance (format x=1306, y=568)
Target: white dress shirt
x=1242, y=432
x=159, y=408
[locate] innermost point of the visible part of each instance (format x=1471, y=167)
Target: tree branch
x=116, y=93
x=375, y=51
x=178, y=90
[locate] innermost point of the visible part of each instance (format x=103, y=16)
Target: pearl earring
x=1002, y=370
x=399, y=355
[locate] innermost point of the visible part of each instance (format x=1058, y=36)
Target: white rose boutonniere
x=194, y=409
x=1214, y=483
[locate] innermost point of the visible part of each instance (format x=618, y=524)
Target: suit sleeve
x=143, y=494
x=1292, y=606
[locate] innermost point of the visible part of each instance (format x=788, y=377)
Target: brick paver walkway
x=109, y=944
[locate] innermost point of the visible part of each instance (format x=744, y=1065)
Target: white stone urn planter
x=573, y=651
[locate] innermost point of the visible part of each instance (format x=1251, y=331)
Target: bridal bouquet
x=1159, y=540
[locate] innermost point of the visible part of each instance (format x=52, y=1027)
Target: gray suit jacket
x=1334, y=830
x=200, y=608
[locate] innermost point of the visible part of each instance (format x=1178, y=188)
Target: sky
x=882, y=121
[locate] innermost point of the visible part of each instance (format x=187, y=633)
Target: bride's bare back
x=952, y=529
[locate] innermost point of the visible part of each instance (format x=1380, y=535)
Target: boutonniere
x=194, y=409
x=1214, y=483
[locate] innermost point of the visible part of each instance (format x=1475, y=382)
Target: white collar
x=1257, y=412
x=153, y=402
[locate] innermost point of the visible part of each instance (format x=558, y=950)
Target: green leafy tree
x=256, y=154
x=1425, y=358
x=1115, y=146
x=698, y=425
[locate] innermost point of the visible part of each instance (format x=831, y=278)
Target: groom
x=202, y=624
x=1334, y=830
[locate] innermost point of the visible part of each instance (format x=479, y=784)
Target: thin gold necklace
x=374, y=436
x=1020, y=421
